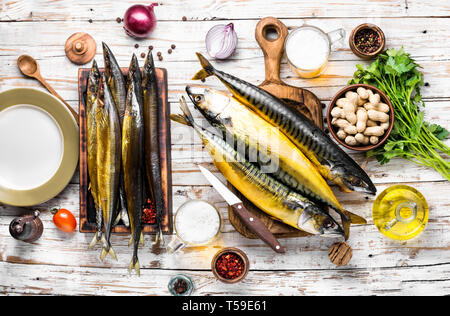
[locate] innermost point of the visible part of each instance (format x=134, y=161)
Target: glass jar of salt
x=308, y=49
x=196, y=223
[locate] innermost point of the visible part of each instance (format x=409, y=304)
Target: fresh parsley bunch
x=397, y=75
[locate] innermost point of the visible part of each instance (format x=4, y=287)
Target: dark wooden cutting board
x=299, y=99
x=87, y=209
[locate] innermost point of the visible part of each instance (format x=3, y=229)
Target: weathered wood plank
x=336, y=77
x=47, y=280
x=201, y=10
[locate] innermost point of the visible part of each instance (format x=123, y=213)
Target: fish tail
x=134, y=265
x=95, y=241
x=346, y=226
x=118, y=218
x=130, y=242
x=141, y=239
x=179, y=119
x=186, y=112
x=107, y=250
x=346, y=222
x=207, y=71
x=124, y=217
x=159, y=238
x=355, y=219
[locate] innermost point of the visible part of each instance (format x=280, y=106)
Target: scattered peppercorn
x=142, y=55
x=160, y=58
x=180, y=286
x=173, y=46
x=150, y=47
x=119, y=20
x=90, y=20
x=184, y=18
x=367, y=41
x=170, y=51
x=427, y=84
x=159, y=53
x=230, y=266
x=136, y=46
x=203, y=80
x=424, y=32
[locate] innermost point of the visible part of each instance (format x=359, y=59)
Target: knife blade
x=252, y=222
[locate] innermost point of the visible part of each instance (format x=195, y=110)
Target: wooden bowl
x=237, y=252
x=361, y=54
x=333, y=129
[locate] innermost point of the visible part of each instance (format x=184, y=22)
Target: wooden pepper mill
x=80, y=48
x=28, y=228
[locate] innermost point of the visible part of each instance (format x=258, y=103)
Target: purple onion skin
x=140, y=20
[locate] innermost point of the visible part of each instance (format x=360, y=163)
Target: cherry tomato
x=64, y=220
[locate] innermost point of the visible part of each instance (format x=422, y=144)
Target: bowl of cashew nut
x=360, y=117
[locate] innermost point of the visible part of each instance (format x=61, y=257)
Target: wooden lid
x=80, y=48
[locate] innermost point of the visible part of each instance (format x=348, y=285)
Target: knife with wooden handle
x=252, y=222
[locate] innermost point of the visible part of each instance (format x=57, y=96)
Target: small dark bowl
x=237, y=252
x=333, y=129
x=361, y=54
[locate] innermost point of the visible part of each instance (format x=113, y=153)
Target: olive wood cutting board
x=299, y=99
x=87, y=209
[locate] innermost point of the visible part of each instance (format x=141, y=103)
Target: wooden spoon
x=29, y=67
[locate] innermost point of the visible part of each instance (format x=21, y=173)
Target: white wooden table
x=60, y=264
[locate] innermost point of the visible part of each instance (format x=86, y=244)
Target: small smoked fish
x=265, y=192
x=331, y=161
x=133, y=166
x=117, y=86
x=93, y=86
x=152, y=152
x=116, y=80
x=108, y=162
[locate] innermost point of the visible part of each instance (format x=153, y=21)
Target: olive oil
x=400, y=212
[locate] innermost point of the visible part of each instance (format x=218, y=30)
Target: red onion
x=221, y=41
x=140, y=20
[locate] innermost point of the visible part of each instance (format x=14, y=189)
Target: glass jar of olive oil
x=400, y=212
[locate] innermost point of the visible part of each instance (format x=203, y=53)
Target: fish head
x=355, y=180
x=318, y=222
x=93, y=80
x=211, y=103
x=107, y=58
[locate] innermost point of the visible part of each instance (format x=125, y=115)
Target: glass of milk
x=196, y=223
x=308, y=49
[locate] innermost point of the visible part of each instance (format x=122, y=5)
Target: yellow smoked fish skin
x=265, y=192
x=108, y=162
x=295, y=170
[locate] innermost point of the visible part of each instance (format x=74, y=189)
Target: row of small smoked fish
x=254, y=128
x=123, y=148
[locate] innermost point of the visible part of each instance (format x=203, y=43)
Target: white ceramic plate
x=38, y=145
